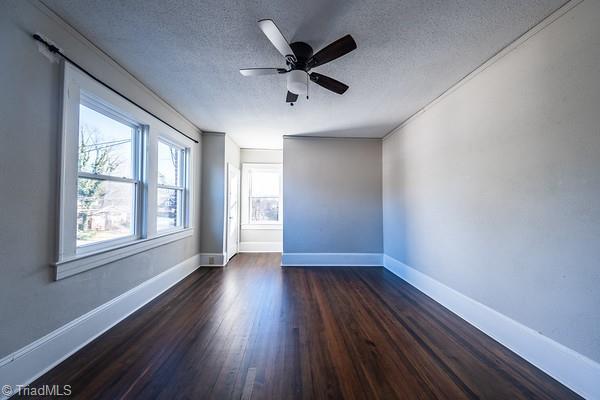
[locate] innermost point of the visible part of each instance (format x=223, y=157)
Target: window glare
x=168, y=214
x=264, y=184
x=105, y=145
x=169, y=164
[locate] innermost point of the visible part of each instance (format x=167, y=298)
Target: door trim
x=230, y=168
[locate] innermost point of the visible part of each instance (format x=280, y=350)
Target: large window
x=125, y=178
x=171, y=186
x=109, y=165
x=262, y=187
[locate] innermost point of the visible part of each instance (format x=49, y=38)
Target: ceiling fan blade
x=291, y=97
x=275, y=36
x=261, y=71
x=328, y=83
x=334, y=50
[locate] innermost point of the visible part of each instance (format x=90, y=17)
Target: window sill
x=84, y=262
x=273, y=227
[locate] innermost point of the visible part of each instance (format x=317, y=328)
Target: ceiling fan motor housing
x=302, y=52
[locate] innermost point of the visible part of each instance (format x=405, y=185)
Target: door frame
x=236, y=170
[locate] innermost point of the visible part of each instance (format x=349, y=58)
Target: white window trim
x=84, y=262
x=138, y=141
x=246, y=224
x=263, y=227
x=172, y=140
x=71, y=260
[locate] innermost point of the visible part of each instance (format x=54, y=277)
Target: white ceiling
x=409, y=52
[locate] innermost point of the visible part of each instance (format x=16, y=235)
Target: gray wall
x=31, y=303
x=217, y=151
x=262, y=156
x=332, y=195
x=213, y=193
x=495, y=190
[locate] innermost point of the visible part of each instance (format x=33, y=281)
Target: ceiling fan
x=300, y=59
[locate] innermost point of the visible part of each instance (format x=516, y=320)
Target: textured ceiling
x=409, y=52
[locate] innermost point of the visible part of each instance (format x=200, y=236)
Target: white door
x=233, y=210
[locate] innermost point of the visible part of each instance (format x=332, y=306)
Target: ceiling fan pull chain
x=307, y=86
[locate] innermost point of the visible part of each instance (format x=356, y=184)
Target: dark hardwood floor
x=256, y=331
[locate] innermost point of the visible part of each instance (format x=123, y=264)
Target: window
x=262, y=186
x=172, y=163
x=125, y=178
x=108, y=176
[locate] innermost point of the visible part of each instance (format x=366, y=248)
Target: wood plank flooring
x=256, y=331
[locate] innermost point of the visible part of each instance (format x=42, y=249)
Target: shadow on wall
x=394, y=198
x=364, y=131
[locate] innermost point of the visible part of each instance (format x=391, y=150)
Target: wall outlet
x=211, y=260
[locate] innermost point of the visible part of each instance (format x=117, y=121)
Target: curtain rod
x=53, y=49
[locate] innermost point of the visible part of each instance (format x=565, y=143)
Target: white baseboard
x=261, y=247
x=574, y=370
x=331, y=260
x=30, y=362
x=213, y=259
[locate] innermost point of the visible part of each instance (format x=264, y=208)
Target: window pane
x=170, y=162
x=169, y=209
x=105, y=145
x=104, y=210
x=264, y=209
x=264, y=183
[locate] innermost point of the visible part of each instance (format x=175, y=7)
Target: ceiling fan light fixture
x=297, y=81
